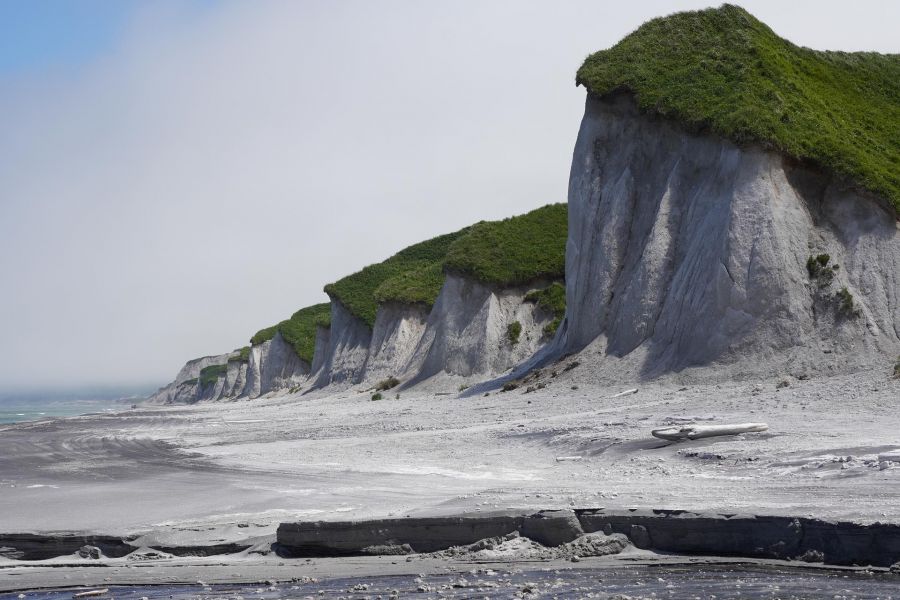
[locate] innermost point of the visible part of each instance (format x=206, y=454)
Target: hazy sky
x=176, y=175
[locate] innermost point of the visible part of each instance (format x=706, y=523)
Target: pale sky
x=175, y=176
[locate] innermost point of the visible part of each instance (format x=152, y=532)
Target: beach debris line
x=696, y=432
x=91, y=593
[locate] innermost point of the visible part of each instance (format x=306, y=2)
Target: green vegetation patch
x=846, y=305
x=819, y=269
x=357, y=292
x=553, y=300
x=241, y=355
x=420, y=285
x=386, y=384
x=513, y=331
x=211, y=373
x=299, y=331
x=514, y=251
x=722, y=70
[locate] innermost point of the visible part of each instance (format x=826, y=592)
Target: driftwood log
x=696, y=432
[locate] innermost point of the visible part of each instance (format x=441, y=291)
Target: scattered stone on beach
x=90, y=552
x=142, y=554
x=812, y=556
x=593, y=544
x=508, y=546
x=552, y=527
x=388, y=550
x=518, y=547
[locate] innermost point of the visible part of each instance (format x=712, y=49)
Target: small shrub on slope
x=553, y=300
x=817, y=267
x=386, y=384
x=846, y=305
x=513, y=332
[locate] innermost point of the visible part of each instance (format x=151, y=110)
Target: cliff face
x=185, y=387
x=468, y=331
x=344, y=355
x=686, y=254
x=274, y=366
x=395, y=337
x=271, y=366
x=688, y=251
x=465, y=334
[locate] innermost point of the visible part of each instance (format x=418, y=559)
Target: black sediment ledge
x=423, y=534
x=786, y=538
x=840, y=543
x=678, y=532
x=38, y=546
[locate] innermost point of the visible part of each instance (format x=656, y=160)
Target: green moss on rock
x=211, y=373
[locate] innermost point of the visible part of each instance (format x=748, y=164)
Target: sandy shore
x=222, y=473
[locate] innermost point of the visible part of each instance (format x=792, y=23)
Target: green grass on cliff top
x=241, y=354
x=211, y=373
x=356, y=292
x=513, y=251
x=300, y=330
x=724, y=71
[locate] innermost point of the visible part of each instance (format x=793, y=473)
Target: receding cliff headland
x=729, y=253
x=732, y=210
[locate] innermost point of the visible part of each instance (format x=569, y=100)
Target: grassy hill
x=513, y=251
x=509, y=252
x=357, y=291
x=300, y=330
x=724, y=71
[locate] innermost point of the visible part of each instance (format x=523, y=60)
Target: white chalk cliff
x=689, y=251
x=271, y=366
x=464, y=335
x=686, y=254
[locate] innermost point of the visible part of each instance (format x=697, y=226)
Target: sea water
x=32, y=406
